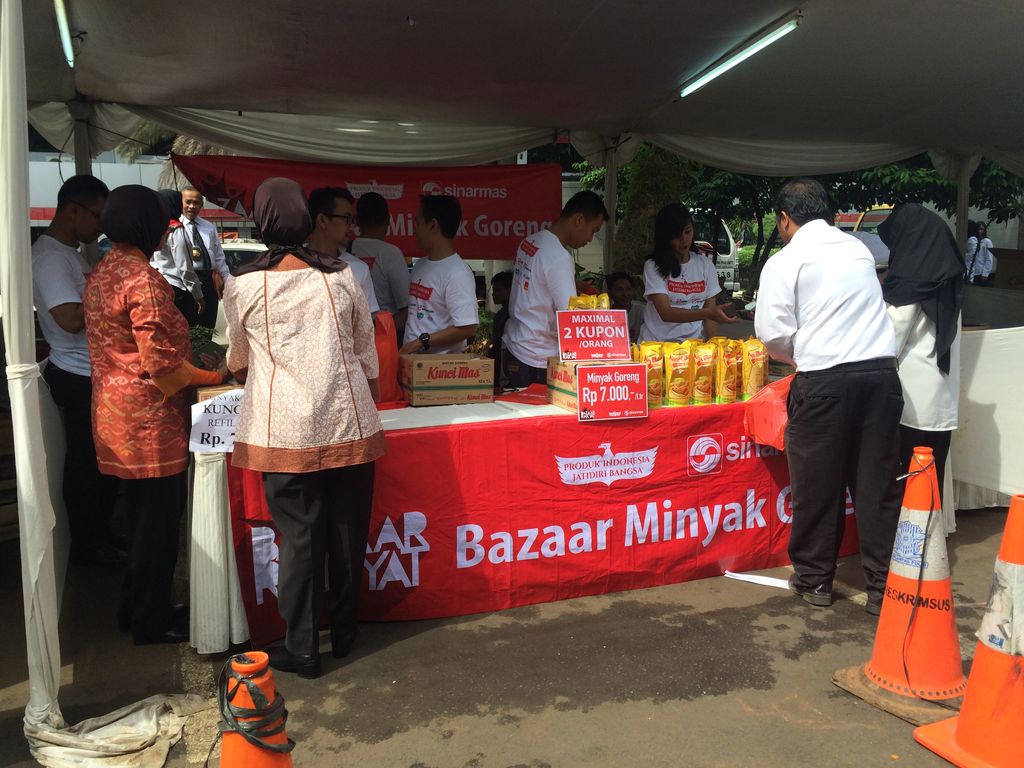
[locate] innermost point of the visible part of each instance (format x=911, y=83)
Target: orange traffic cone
x=916, y=656
x=253, y=715
x=916, y=633
x=988, y=731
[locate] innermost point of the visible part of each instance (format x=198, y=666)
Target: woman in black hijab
x=924, y=290
x=139, y=352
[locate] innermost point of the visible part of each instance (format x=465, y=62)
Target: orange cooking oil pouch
x=728, y=369
x=653, y=356
x=704, y=356
x=754, y=373
x=678, y=378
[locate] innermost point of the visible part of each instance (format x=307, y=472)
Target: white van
x=717, y=237
x=239, y=252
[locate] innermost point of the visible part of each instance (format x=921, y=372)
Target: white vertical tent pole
x=81, y=111
x=965, y=170
x=35, y=510
x=611, y=188
x=488, y=275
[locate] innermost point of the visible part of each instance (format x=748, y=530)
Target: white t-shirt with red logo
x=544, y=279
x=442, y=294
x=361, y=272
x=697, y=283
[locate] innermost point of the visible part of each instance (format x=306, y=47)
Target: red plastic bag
x=386, y=340
x=766, y=414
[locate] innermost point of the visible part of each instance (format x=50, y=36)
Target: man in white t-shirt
x=388, y=268
x=544, y=278
x=58, y=280
x=442, y=290
x=330, y=210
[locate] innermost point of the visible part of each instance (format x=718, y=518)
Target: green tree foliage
x=147, y=139
x=915, y=180
x=656, y=177
x=653, y=178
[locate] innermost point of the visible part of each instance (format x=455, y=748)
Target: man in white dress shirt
x=330, y=210
x=820, y=308
x=200, y=237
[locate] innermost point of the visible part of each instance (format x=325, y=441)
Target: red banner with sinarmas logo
x=487, y=516
x=501, y=204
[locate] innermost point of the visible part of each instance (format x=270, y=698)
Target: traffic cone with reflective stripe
x=916, y=655
x=917, y=650
x=989, y=731
x=252, y=715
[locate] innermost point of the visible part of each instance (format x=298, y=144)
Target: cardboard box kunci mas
x=446, y=379
x=562, y=383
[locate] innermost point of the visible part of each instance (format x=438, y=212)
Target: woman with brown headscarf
x=139, y=347
x=301, y=337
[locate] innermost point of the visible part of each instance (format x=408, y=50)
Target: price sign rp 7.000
x=611, y=391
x=593, y=334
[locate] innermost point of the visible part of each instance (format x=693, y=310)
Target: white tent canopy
x=463, y=82
x=911, y=75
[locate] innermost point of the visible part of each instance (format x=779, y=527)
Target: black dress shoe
x=179, y=618
x=874, y=604
x=819, y=596
x=171, y=636
x=341, y=644
x=284, y=660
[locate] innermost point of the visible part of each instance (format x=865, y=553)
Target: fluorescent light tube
x=65, y=31
x=744, y=52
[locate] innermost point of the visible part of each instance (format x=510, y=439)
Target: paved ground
x=708, y=673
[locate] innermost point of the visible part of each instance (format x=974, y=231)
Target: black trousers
x=208, y=317
x=187, y=305
x=154, y=518
x=519, y=375
x=843, y=431
x=322, y=515
x=89, y=497
x=910, y=439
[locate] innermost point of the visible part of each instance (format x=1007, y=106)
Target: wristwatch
x=424, y=341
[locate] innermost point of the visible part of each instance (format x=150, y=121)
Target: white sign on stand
x=213, y=423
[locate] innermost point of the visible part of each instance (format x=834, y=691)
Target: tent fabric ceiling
x=913, y=73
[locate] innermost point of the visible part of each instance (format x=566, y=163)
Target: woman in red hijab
x=139, y=348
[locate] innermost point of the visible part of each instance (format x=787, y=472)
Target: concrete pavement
x=708, y=673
